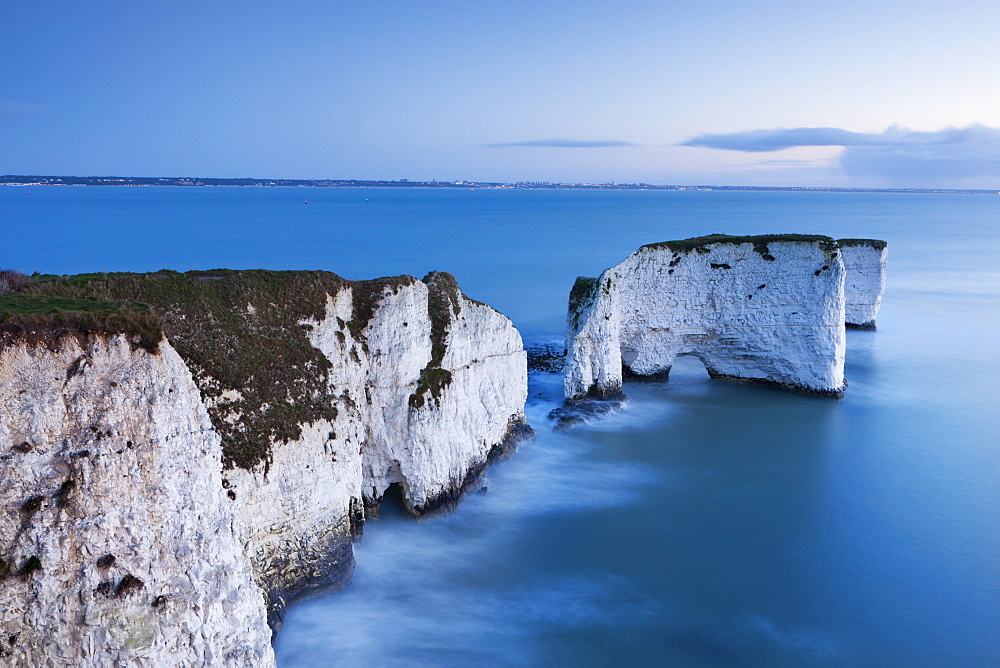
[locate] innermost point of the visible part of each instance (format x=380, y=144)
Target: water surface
x=707, y=524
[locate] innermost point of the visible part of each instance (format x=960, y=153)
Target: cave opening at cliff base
x=392, y=506
x=686, y=369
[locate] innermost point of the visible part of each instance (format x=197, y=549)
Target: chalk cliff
x=864, y=282
x=300, y=396
x=766, y=309
x=117, y=543
x=429, y=386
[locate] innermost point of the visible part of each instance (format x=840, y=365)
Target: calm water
x=707, y=524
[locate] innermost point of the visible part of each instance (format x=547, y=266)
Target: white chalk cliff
x=766, y=309
x=148, y=516
x=864, y=283
x=302, y=508
x=116, y=539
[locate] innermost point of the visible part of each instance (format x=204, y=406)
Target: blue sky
x=873, y=93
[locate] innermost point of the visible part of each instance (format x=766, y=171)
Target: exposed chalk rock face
x=864, y=283
x=117, y=542
x=325, y=392
x=428, y=420
x=767, y=309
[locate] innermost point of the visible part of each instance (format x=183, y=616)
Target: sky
x=865, y=94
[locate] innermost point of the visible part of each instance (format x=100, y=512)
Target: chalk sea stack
x=864, y=281
x=768, y=309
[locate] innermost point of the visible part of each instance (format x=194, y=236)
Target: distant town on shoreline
x=23, y=180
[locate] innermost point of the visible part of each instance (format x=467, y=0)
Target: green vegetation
x=442, y=305
x=43, y=319
x=366, y=296
x=760, y=242
x=12, y=280
x=433, y=381
x=236, y=330
x=582, y=294
x=877, y=244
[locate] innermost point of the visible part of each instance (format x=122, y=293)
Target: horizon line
x=202, y=181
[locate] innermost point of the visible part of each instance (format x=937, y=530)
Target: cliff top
x=47, y=319
x=759, y=241
x=877, y=244
x=236, y=330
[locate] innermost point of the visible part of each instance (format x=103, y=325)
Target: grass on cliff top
x=877, y=244
x=760, y=240
x=239, y=330
x=46, y=320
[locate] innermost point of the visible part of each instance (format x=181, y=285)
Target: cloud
x=757, y=141
x=973, y=154
x=565, y=143
x=898, y=155
x=788, y=163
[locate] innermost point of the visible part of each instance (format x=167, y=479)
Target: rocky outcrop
x=864, y=282
x=321, y=393
x=766, y=309
x=429, y=390
x=118, y=544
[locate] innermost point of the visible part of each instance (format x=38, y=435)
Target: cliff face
x=864, y=263
x=428, y=391
x=322, y=393
x=117, y=544
x=764, y=309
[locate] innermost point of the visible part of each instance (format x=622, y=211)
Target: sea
x=706, y=524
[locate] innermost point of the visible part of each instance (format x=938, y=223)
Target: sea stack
x=766, y=309
x=864, y=262
x=189, y=453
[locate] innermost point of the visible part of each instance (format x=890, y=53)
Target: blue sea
x=707, y=524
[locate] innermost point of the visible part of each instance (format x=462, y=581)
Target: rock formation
x=864, y=282
x=767, y=309
x=162, y=496
x=118, y=544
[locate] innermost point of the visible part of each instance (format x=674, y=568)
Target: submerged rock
x=580, y=411
x=546, y=358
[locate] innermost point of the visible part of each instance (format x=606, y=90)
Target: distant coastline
x=27, y=180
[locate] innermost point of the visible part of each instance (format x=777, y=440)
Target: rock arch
x=768, y=309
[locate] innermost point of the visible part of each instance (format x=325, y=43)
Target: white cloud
x=964, y=157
